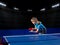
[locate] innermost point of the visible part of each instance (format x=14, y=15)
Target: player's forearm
x=33, y=28
x=36, y=31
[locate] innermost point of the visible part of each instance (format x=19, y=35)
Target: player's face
x=33, y=21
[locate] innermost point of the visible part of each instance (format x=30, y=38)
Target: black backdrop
x=21, y=19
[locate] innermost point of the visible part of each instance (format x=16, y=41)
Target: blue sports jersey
x=40, y=26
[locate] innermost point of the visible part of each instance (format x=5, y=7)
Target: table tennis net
x=32, y=38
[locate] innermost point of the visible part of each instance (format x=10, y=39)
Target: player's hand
x=33, y=28
x=31, y=31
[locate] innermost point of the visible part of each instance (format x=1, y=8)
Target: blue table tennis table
x=34, y=39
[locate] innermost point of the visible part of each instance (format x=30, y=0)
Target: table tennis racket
x=30, y=29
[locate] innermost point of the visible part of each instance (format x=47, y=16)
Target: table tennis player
x=39, y=27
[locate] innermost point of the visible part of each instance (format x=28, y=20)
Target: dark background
x=10, y=18
x=17, y=22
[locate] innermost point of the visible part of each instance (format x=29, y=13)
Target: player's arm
x=34, y=30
